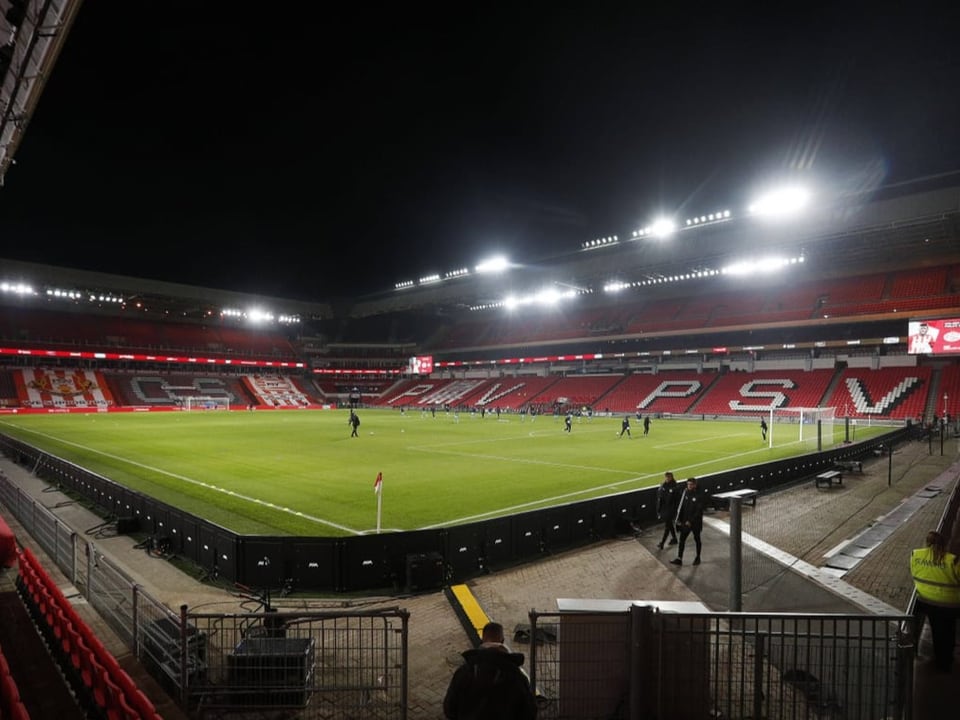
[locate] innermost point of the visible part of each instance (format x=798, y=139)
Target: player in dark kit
x=625, y=426
x=690, y=519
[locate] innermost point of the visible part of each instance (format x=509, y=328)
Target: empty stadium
x=194, y=526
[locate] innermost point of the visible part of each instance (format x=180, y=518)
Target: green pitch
x=300, y=472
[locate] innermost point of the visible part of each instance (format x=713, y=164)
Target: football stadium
x=218, y=503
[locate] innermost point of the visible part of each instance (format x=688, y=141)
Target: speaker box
x=127, y=525
x=272, y=671
x=424, y=571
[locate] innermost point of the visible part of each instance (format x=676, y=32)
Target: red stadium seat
x=19, y=711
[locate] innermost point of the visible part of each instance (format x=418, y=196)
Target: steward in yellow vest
x=936, y=575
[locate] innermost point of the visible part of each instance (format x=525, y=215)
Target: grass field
x=300, y=472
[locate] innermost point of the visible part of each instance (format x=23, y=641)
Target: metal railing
x=643, y=663
x=347, y=664
x=304, y=664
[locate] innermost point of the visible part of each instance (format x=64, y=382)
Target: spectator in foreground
x=936, y=576
x=490, y=684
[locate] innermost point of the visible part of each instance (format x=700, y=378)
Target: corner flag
x=378, y=489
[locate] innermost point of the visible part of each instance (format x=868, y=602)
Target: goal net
x=813, y=426
x=204, y=402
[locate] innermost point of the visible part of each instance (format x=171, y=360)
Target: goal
x=813, y=426
x=204, y=402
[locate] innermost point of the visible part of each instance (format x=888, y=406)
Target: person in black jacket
x=668, y=495
x=490, y=685
x=690, y=519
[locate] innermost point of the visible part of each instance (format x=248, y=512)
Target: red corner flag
x=378, y=483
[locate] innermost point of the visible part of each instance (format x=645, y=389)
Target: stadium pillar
x=736, y=555
x=819, y=435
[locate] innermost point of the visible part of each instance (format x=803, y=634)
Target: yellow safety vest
x=936, y=583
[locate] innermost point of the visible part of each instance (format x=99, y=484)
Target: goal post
x=206, y=402
x=813, y=426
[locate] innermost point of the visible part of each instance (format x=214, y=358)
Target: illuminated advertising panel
x=420, y=365
x=933, y=337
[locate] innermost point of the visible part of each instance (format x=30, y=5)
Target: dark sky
x=333, y=151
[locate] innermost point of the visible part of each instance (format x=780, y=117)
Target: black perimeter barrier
x=403, y=561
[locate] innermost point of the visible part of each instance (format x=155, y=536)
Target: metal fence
x=309, y=664
x=642, y=664
x=333, y=665
x=632, y=665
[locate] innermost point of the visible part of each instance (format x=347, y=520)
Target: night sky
x=331, y=152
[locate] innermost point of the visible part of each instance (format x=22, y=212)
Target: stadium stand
x=919, y=283
x=892, y=392
x=43, y=327
x=577, y=392
x=947, y=398
x=737, y=393
x=671, y=392
x=99, y=682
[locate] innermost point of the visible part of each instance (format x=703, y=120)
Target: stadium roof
x=850, y=234
x=32, y=32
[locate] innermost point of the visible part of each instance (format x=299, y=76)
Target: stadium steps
x=933, y=395
x=703, y=395
x=831, y=387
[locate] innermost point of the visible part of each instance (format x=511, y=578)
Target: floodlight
x=493, y=265
x=752, y=267
x=663, y=227
x=257, y=315
x=781, y=203
x=547, y=296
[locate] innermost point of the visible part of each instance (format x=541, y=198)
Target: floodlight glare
x=256, y=315
x=663, y=227
x=753, y=267
x=493, y=265
x=781, y=203
x=548, y=296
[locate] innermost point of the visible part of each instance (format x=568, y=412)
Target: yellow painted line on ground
x=470, y=607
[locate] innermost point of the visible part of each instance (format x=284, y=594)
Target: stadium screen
x=420, y=365
x=933, y=337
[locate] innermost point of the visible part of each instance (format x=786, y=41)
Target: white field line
x=685, y=469
x=198, y=483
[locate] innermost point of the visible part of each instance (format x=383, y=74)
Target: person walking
x=690, y=519
x=936, y=576
x=668, y=495
x=625, y=427
x=354, y=423
x=491, y=683
x=763, y=428
x=568, y=422
x=646, y=425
